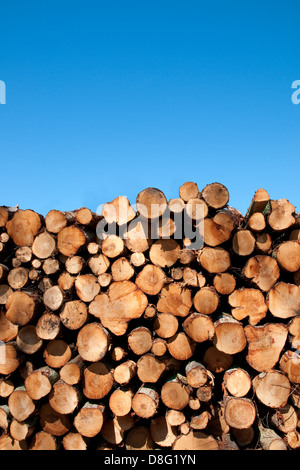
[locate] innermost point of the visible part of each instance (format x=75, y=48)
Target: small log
x=55, y=221
x=74, y=264
x=206, y=300
x=89, y=420
x=117, y=353
x=121, y=270
x=181, y=346
x=10, y=359
x=214, y=260
x=229, y=335
x=272, y=388
x=139, y=438
x=248, y=302
x=23, y=227
x=290, y=364
x=71, y=372
x=92, y=342
x=215, y=195
x=112, y=246
x=120, y=401
x=137, y=259
x=53, y=298
x=4, y=271
x=43, y=441
x=151, y=279
x=145, y=402
x=288, y=256
x=53, y=422
x=162, y=432
x=263, y=243
x=218, y=230
x=137, y=238
x=39, y=383
x=175, y=395
x=217, y=361
x=284, y=300
x=111, y=432
x=97, y=381
x=27, y=340
x=87, y=287
x=285, y=419
x=140, y=340
x=175, y=299
x=224, y=283
x=239, y=413
x=66, y=281
x=243, y=243
x=6, y=387
x=63, y=398
x=164, y=253
x=175, y=418
x=200, y=421
x=257, y=222
x=125, y=372
x=165, y=325
x=70, y=239
x=263, y=271
x=57, y=353
x=24, y=254
x=151, y=203
x=159, y=347
x=74, y=314
x=20, y=308
x=196, y=374
x=188, y=190
x=281, y=216
x=74, y=441
x=20, y=404
x=99, y=264
x=195, y=440
x=118, y=211
x=48, y=326
x=150, y=368
x=199, y=327
x=176, y=206
x=196, y=209
x=8, y=331
x=237, y=381
x=43, y=245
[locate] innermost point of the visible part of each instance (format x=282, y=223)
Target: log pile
x=117, y=333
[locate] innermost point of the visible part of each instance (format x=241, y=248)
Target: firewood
x=150, y=311
x=3, y=272
x=229, y=335
x=288, y=255
x=175, y=418
x=285, y=419
x=263, y=271
x=214, y=260
x=243, y=243
x=53, y=298
x=165, y=325
x=272, y=388
x=121, y=303
x=294, y=332
x=176, y=205
x=217, y=361
x=196, y=209
x=162, y=432
x=27, y=340
x=289, y=363
x=74, y=441
x=8, y=331
x=57, y=353
x=243, y=437
x=6, y=388
x=42, y=441
x=215, y=195
x=196, y=374
x=120, y=401
x=151, y=279
x=199, y=327
x=258, y=203
x=257, y=222
x=53, y=422
x=125, y=372
x=218, y=229
x=20, y=404
x=23, y=227
x=145, y=402
x=113, y=246
x=206, y=300
x=263, y=243
x=92, y=342
x=98, y=381
x=136, y=237
x=74, y=314
x=20, y=308
x=239, y=413
x=192, y=278
x=150, y=368
x=70, y=239
x=200, y=421
x=281, y=216
x=63, y=398
x=99, y=264
x=20, y=431
x=237, y=381
x=186, y=256
x=188, y=191
x=151, y=203
x=71, y=372
x=140, y=340
x=175, y=395
x=248, y=302
x=104, y=279
x=284, y=300
x=48, y=326
x=119, y=210
x=175, y=299
x=137, y=259
x=39, y=383
x=224, y=283
x=87, y=287
x=74, y=264
x=164, y=253
x=181, y=346
x=117, y=353
x=159, y=347
x=43, y=245
x=89, y=419
x=55, y=221
x=24, y=254
x=111, y=433
x=121, y=270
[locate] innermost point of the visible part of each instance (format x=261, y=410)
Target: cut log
x=239, y=413
x=3, y=272
x=20, y=404
x=27, y=340
x=281, y=216
x=196, y=209
x=195, y=440
x=243, y=243
x=288, y=256
x=159, y=347
x=224, y=283
x=140, y=340
x=263, y=271
x=284, y=300
x=6, y=387
x=192, y=278
x=218, y=230
x=71, y=372
x=199, y=327
x=206, y=300
x=164, y=253
x=20, y=308
x=70, y=239
x=17, y=278
x=248, y=302
x=122, y=302
x=99, y=264
x=43, y=441
x=20, y=431
x=53, y=298
x=9, y=358
x=97, y=381
x=290, y=365
x=139, y=438
x=23, y=227
x=175, y=395
x=237, y=381
x=145, y=402
x=43, y=245
x=57, y=353
x=259, y=202
x=63, y=398
x=4, y=215
x=176, y=206
x=53, y=422
x=112, y=246
x=175, y=418
x=125, y=372
x=87, y=287
x=8, y=331
x=196, y=374
x=215, y=195
x=48, y=326
x=92, y=342
x=151, y=279
x=137, y=236
x=188, y=190
x=244, y=437
x=122, y=270
x=263, y=243
x=74, y=314
x=117, y=353
x=74, y=441
x=229, y=335
x=162, y=432
x=24, y=254
x=181, y=346
x=186, y=256
x=111, y=433
x=216, y=361
x=150, y=311
x=151, y=203
x=175, y=299
x=89, y=420
x=165, y=325
x=120, y=401
x=55, y=221
x=272, y=388
x=118, y=211
x=66, y=281
x=104, y=279
x=214, y=260
x=200, y=421
x=39, y=383
x=269, y=440
x=294, y=333
x=137, y=259
x=257, y=222
x=150, y=368
x=265, y=344
x=74, y=264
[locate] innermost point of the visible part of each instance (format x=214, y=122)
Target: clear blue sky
x=106, y=98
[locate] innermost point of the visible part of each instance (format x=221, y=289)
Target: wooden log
x=159, y=347
x=294, y=332
x=74, y=441
x=4, y=215
x=162, y=433
x=164, y=253
x=196, y=209
x=122, y=302
x=137, y=259
x=186, y=256
x=74, y=314
x=145, y=402
x=53, y=422
x=196, y=374
x=265, y=344
x=269, y=440
x=39, y=383
x=290, y=364
x=285, y=419
x=23, y=227
x=71, y=372
x=117, y=353
x=218, y=230
x=199, y=327
x=151, y=279
x=243, y=243
x=53, y=298
x=281, y=215
x=272, y=388
x=136, y=237
x=195, y=440
x=150, y=368
x=64, y=398
x=74, y=264
x=175, y=299
x=248, y=303
x=200, y=421
x=237, y=382
x=113, y=246
x=263, y=271
x=6, y=387
x=284, y=300
x=125, y=372
x=257, y=222
x=24, y=254
x=243, y=437
x=70, y=239
x=122, y=270
x=99, y=264
x=214, y=260
x=229, y=335
x=239, y=413
x=89, y=420
x=20, y=308
x=92, y=342
x=175, y=395
x=87, y=287
x=111, y=432
x=44, y=245
x=151, y=203
x=139, y=438
x=150, y=311
x=224, y=283
x=181, y=346
x=9, y=358
x=206, y=300
x=57, y=353
x=20, y=404
x=8, y=331
x=216, y=361
x=165, y=325
x=140, y=340
x=176, y=205
x=192, y=278
x=118, y=211
x=43, y=441
x=55, y=221
x=48, y=326
x=20, y=431
x=104, y=279
x=175, y=418
x=97, y=381
x=258, y=203
x=188, y=190
x=288, y=255
x=263, y=243
x=215, y=195
x=27, y=340
x=120, y=401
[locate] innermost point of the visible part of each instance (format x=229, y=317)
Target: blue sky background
x=106, y=98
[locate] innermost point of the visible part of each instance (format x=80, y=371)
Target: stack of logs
x=136, y=342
